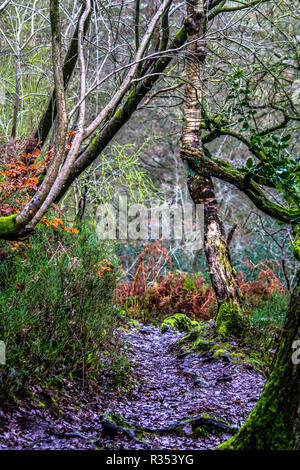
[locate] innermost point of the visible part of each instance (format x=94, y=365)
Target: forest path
x=168, y=388
x=173, y=387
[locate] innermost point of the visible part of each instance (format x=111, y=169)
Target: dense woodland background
x=168, y=102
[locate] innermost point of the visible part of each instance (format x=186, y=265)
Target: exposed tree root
x=113, y=424
x=66, y=435
x=195, y=421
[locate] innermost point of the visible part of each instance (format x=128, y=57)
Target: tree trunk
x=274, y=424
x=217, y=254
x=201, y=188
x=49, y=115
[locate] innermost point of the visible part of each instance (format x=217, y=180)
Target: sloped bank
x=201, y=338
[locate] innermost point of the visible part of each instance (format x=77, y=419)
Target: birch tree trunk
x=201, y=188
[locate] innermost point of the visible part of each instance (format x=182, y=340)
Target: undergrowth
x=266, y=301
x=156, y=291
x=175, y=293
x=58, y=318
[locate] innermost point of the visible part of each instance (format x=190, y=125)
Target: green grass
x=270, y=313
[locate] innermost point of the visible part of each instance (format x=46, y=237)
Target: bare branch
x=4, y=5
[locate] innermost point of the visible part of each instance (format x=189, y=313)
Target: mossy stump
x=231, y=321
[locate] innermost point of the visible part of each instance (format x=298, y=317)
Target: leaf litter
x=167, y=388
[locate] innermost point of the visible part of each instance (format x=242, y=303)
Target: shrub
x=175, y=293
x=265, y=283
x=57, y=313
x=267, y=313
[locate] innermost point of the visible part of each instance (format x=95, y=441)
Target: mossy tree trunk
x=217, y=253
x=275, y=421
x=201, y=188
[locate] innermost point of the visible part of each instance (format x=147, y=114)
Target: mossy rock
x=213, y=349
x=117, y=419
x=204, y=341
x=201, y=431
x=178, y=322
x=198, y=340
x=198, y=333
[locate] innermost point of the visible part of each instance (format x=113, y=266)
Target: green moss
x=204, y=341
x=205, y=430
x=264, y=430
x=277, y=211
x=7, y=225
x=117, y=113
x=201, y=431
x=134, y=323
x=226, y=355
x=117, y=419
x=204, y=345
x=217, y=351
x=270, y=424
x=230, y=321
x=178, y=322
x=296, y=247
x=200, y=331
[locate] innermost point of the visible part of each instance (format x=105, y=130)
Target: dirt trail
x=169, y=388
x=173, y=388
